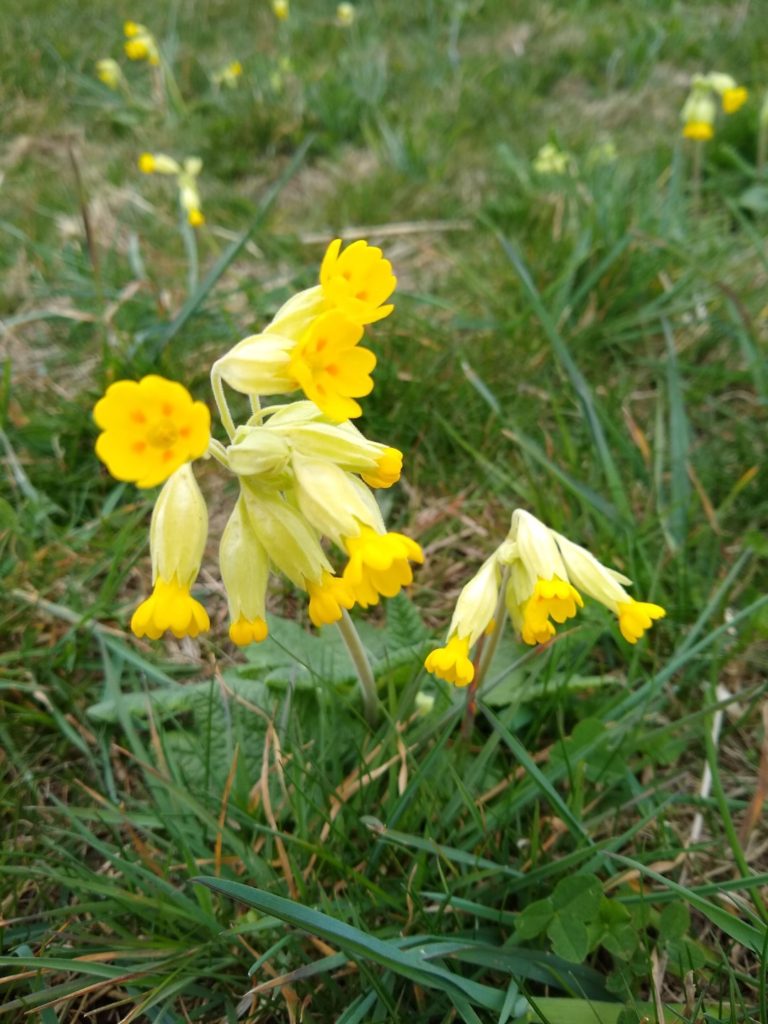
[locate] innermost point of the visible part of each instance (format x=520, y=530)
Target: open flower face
x=150, y=428
x=330, y=367
x=357, y=281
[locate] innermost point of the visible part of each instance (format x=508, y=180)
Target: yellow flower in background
x=472, y=617
x=186, y=180
x=550, y=159
x=109, y=72
x=732, y=95
x=149, y=428
x=698, y=114
x=140, y=44
x=229, y=75
x=177, y=538
x=357, y=281
x=345, y=15
x=330, y=368
x=280, y=9
x=378, y=564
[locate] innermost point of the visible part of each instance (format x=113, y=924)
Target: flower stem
x=225, y=415
x=359, y=659
x=698, y=158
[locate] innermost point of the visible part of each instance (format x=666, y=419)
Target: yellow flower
x=140, y=44
x=158, y=163
x=699, y=112
x=637, y=616
x=280, y=9
x=357, y=281
x=379, y=564
x=472, y=617
x=170, y=607
x=244, y=566
x=229, y=74
x=734, y=99
x=552, y=160
x=330, y=368
x=345, y=15
x=109, y=72
x=699, y=131
x=149, y=428
x=327, y=597
x=452, y=662
x=336, y=503
x=177, y=540
x=547, y=576
x=186, y=180
x=388, y=469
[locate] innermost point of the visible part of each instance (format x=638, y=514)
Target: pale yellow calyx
x=158, y=163
x=635, y=617
x=327, y=597
x=293, y=546
x=244, y=566
x=378, y=564
x=109, y=72
x=357, y=281
x=477, y=602
x=258, y=451
x=169, y=607
x=699, y=113
x=179, y=529
x=333, y=501
x=452, y=662
x=258, y=365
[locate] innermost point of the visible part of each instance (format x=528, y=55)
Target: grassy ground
x=590, y=346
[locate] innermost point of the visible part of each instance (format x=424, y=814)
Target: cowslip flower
x=281, y=9
x=472, y=617
x=732, y=95
x=698, y=114
x=313, y=341
x=176, y=540
x=186, y=175
x=550, y=159
x=140, y=44
x=109, y=72
x=244, y=565
x=541, y=576
x=345, y=15
x=149, y=429
x=229, y=75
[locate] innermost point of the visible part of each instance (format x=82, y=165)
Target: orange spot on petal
x=139, y=447
x=167, y=409
x=167, y=455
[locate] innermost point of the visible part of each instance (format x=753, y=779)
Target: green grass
x=591, y=347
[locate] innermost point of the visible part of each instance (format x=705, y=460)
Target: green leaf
x=534, y=919
x=578, y=896
x=621, y=940
x=674, y=922
x=569, y=938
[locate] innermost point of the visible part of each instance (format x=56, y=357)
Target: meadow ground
x=586, y=842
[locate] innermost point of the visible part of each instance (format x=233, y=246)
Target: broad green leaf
x=533, y=920
x=569, y=938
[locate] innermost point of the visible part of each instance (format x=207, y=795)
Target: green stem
x=359, y=659
x=255, y=406
x=762, y=145
x=217, y=450
x=217, y=386
x=698, y=158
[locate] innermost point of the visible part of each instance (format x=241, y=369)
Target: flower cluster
x=186, y=175
x=305, y=471
x=140, y=44
x=537, y=576
x=700, y=108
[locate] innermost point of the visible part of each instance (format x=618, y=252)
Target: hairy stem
x=359, y=659
x=217, y=386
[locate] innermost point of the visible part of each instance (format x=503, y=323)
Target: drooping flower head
x=150, y=428
x=281, y=9
x=541, y=576
x=186, y=175
x=732, y=95
x=345, y=15
x=698, y=114
x=109, y=72
x=140, y=44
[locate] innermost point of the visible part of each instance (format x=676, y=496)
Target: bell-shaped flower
x=244, y=565
x=177, y=537
x=472, y=617
x=140, y=44
x=698, y=114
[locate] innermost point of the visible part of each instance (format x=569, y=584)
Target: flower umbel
x=186, y=179
x=140, y=44
x=149, y=428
